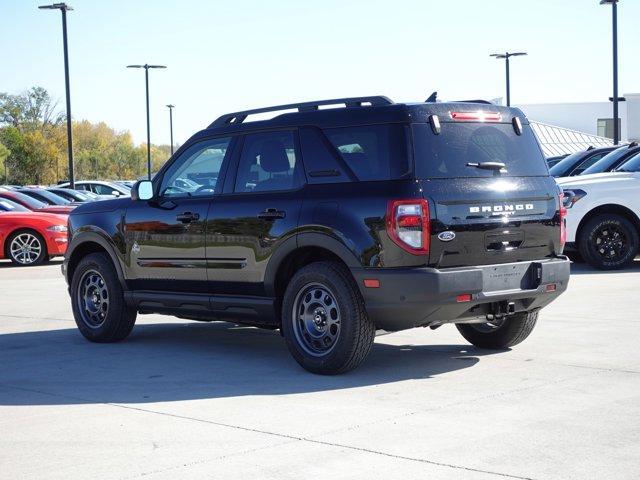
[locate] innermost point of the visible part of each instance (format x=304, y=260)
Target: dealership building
x=569, y=127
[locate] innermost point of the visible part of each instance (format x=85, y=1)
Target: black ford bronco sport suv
x=330, y=224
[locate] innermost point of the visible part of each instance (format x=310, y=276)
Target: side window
x=373, y=152
x=195, y=172
x=321, y=162
x=103, y=189
x=268, y=162
x=587, y=163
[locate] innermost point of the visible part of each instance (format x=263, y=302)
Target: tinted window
x=9, y=206
x=321, y=161
x=609, y=161
x=631, y=165
x=268, y=162
x=25, y=200
x=196, y=171
x=373, y=152
x=565, y=165
x=587, y=163
x=446, y=155
x=46, y=197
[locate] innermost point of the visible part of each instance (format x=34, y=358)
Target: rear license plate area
x=524, y=276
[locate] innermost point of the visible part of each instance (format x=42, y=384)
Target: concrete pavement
x=182, y=399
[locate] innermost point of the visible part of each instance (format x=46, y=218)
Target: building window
x=605, y=127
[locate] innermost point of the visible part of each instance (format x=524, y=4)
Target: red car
x=30, y=238
x=33, y=204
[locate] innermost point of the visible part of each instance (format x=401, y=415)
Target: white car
x=100, y=188
x=603, y=215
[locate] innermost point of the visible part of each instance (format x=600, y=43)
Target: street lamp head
x=517, y=54
x=135, y=66
x=608, y=2
x=498, y=55
x=507, y=55
x=146, y=66
x=171, y=106
x=155, y=66
x=56, y=6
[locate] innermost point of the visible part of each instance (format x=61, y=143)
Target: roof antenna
x=432, y=98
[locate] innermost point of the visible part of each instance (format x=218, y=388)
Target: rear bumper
x=415, y=297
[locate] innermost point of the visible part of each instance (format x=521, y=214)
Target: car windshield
x=631, y=165
x=560, y=168
x=607, y=162
x=9, y=206
x=25, y=200
x=47, y=196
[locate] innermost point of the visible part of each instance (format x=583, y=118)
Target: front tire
x=324, y=320
x=97, y=300
x=508, y=333
x=608, y=242
x=26, y=248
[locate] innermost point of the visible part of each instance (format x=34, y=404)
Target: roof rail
x=486, y=102
x=239, y=117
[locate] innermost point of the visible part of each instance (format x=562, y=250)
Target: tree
x=29, y=110
x=4, y=153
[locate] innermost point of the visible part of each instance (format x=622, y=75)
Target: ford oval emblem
x=447, y=236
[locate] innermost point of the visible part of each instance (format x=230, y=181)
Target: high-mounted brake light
x=408, y=225
x=478, y=116
x=563, y=223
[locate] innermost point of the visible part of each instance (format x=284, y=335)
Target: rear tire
x=608, y=242
x=97, y=300
x=324, y=320
x=511, y=332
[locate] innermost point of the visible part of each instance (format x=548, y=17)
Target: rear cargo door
x=483, y=214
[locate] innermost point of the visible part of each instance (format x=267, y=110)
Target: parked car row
x=601, y=189
x=33, y=219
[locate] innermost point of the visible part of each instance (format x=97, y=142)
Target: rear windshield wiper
x=498, y=166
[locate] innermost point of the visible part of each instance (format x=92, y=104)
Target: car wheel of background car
x=26, y=247
x=608, y=242
x=98, y=302
x=509, y=331
x=324, y=320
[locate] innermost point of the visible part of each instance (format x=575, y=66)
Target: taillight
x=408, y=225
x=563, y=222
x=478, y=116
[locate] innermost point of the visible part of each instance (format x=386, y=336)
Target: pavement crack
x=289, y=438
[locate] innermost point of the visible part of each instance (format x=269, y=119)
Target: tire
x=323, y=302
x=511, y=332
x=97, y=300
x=608, y=232
x=34, y=251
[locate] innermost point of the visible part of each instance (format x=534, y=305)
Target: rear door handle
x=187, y=217
x=271, y=214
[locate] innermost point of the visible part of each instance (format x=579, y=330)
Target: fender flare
x=302, y=240
x=102, y=240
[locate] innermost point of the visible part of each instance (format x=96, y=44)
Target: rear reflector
x=551, y=287
x=465, y=297
x=478, y=116
x=372, y=283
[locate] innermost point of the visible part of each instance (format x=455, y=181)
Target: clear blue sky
x=230, y=55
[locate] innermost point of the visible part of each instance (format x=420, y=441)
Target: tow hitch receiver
x=499, y=310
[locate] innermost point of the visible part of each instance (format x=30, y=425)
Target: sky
x=230, y=55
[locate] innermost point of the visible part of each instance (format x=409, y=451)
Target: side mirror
x=115, y=193
x=142, y=190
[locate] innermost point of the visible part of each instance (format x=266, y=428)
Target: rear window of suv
x=446, y=155
x=372, y=152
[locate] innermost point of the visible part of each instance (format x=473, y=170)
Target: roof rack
x=486, y=102
x=239, y=117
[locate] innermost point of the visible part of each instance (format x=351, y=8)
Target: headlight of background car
x=571, y=197
x=57, y=228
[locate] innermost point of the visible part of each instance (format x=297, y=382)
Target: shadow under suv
x=330, y=224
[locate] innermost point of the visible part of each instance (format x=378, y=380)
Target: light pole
x=614, y=15
x=171, y=107
x=506, y=57
x=146, y=80
x=63, y=7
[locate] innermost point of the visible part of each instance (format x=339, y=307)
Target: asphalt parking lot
x=183, y=399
